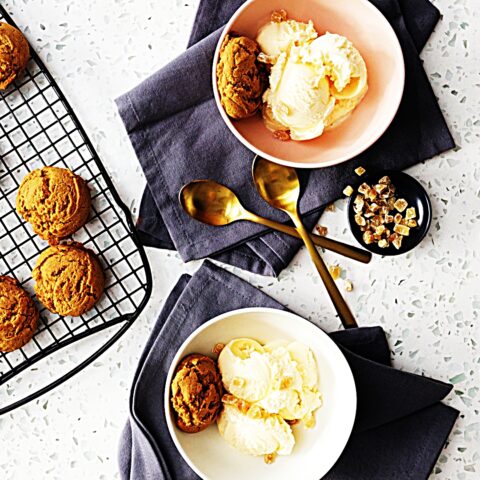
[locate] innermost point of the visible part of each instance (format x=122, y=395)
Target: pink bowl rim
x=311, y=165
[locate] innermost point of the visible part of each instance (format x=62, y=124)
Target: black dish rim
x=424, y=227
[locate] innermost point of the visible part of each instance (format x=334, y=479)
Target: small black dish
x=416, y=196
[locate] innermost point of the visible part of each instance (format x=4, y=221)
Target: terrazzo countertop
x=428, y=300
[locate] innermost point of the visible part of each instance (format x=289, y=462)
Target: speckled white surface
x=428, y=300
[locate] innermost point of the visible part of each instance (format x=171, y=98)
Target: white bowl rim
x=247, y=311
x=311, y=165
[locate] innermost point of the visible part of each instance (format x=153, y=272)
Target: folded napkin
x=179, y=135
x=400, y=426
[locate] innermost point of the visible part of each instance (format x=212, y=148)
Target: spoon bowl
x=278, y=185
x=211, y=203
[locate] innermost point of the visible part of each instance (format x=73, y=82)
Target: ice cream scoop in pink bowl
x=372, y=35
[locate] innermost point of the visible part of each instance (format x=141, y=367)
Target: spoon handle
x=339, y=303
x=349, y=251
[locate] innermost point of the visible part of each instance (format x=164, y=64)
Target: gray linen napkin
x=400, y=426
x=178, y=135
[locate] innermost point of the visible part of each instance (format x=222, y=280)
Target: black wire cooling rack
x=38, y=128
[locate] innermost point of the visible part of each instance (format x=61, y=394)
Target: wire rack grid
x=38, y=128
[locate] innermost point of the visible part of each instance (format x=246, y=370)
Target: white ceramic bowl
x=316, y=450
x=372, y=35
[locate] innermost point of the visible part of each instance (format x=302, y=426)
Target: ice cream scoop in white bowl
x=316, y=449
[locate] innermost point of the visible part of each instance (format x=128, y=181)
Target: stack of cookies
x=56, y=202
x=69, y=278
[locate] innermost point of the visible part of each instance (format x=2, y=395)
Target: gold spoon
x=214, y=204
x=279, y=186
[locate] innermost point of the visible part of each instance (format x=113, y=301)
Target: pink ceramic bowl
x=372, y=35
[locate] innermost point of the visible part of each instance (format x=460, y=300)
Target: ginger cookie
x=69, y=279
x=14, y=54
x=18, y=315
x=55, y=201
x=241, y=79
x=196, y=393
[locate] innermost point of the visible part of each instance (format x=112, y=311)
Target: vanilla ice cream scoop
x=343, y=64
x=255, y=434
x=299, y=98
x=277, y=37
x=345, y=68
x=246, y=371
x=294, y=391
